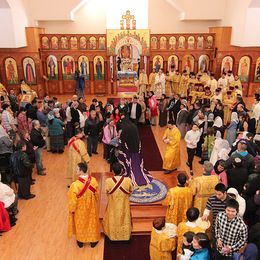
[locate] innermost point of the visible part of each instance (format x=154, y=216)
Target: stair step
x=148, y=213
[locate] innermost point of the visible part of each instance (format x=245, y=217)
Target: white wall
x=7, y=39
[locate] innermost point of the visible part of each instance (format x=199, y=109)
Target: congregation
x=212, y=118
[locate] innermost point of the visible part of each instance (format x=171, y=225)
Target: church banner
x=121, y=41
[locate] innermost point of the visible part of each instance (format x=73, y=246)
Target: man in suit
x=135, y=110
x=174, y=107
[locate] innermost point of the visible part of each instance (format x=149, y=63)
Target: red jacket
x=4, y=219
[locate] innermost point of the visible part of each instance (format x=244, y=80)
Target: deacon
x=83, y=212
x=77, y=153
x=203, y=186
x=172, y=137
x=160, y=84
x=143, y=83
x=117, y=219
x=184, y=84
x=176, y=82
x=178, y=201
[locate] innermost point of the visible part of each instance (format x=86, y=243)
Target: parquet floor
x=41, y=230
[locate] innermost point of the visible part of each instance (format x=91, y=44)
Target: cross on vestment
x=128, y=17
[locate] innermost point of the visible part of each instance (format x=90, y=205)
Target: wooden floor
x=41, y=229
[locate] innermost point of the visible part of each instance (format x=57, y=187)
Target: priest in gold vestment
x=184, y=84
x=143, y=83
x=178, y=201
x=152, y=80
x=203, y=186
x=83, y=195
x=176, y=82
x=172, y=137
x=192, y=215
x=161, y=245
x=27, y=93
x=77, y=153
x=117, y=223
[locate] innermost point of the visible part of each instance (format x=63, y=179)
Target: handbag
x=115, y=141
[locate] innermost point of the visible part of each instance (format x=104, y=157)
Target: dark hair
x=78, y=131
x=192, y=214
x=232, y=203
x=210, y=131
x=171, y=122
x=189, y=236
x=221, y=187
x=159, y=223
x=94, y=100
x=203, y=240
x=152, y=92
x=5, y=106
x=20, y=144
x=83, y=167
x=182, y=178
x=117, y=168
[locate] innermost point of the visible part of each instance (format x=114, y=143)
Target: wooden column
x=114, y=76
x=91, y=76
x=106, y=77
x=148, y=69
x=142, y=62
x=195, y=66
x=165, y=65
x=61, y=87
x=108, y=73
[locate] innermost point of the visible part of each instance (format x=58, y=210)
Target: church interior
x=44, y=44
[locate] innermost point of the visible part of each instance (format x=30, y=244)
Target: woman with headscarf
x=220, y=150
x=56, y=130
x=231, y=129
x=219, y=170
x=232, y=192
x=218, y=125
x=130, y=156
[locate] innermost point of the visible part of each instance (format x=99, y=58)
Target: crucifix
x=128, y=18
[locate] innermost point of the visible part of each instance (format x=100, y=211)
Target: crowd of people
x=209, y=115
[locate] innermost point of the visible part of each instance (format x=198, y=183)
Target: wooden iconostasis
x=49, y=61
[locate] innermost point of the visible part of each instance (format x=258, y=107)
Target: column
x=91, y=76
x=141, y=61
x=165, y=65
x=114, y=76
x=61, y=82
x=148, y=69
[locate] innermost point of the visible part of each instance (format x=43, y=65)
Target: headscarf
x=218, y=122
x=3, y=133
x=241, y=201
x=218, y=135
x=234, y=117
x=51, y=115
x=222, y=162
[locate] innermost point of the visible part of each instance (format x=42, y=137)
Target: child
x=187, y=249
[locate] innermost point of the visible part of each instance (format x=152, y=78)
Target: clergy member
x=160, y=84
x=203, y=186
x=83, y=212
x=152, y=80
x=176, y=82
x=77, y=153
x=178, y=201
x=184, y=84
x=172, y=137
x=117, y=219
x=143, y=82
x=161, y=245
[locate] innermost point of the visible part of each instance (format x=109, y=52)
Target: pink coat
x=107, y=137
x=222, y=177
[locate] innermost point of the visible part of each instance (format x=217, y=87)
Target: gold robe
x=83, y=212
x=117, y=219
x=172, y=158
x=152, y=81
x=161, y=246
x=194, y=96
x=202, y=188
x=168, y=85
x=236, y=83
x=178, y=200
x=143, y=82
x=176, y=83
x=77, y=153
x=228, y=104
x=181, y=230
x=184, y=85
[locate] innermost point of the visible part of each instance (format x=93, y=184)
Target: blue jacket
x=201, y=254
x=56, y=127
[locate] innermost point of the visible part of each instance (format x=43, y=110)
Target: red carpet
x=150, y=150
x=137, y=248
